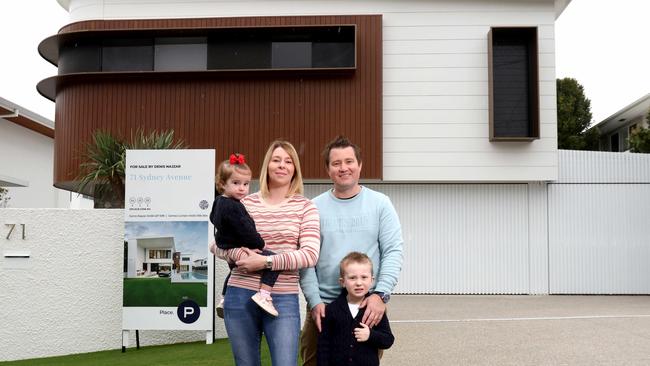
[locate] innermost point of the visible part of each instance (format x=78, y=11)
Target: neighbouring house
x=616, y=129
x=200, y=265
x=148, y=256
x=27, y=161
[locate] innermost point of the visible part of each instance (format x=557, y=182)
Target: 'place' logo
x=188, y=311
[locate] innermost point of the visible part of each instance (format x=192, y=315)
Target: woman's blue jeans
x=245, y=323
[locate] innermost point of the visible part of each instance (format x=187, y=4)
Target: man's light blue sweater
x=366, y=223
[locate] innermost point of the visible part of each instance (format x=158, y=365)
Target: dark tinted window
x=514, y=90
x=332, y=54
x=181, y=54
x=282, y=48
x=80, y=56
x=291, y=55
x=306, y=47
x=127, y=55
x=239, y=55
x=614, y=143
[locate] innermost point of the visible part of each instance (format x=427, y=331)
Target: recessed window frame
x=521, y=35
x=95, y=44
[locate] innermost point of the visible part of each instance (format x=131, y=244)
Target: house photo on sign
x=167, y=264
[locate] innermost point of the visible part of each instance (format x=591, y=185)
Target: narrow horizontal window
x=256, y=48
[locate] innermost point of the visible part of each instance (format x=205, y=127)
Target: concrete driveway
x=519, y=330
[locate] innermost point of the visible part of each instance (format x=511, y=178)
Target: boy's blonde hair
x=296, y=181
x=354, y=257
x=225, y=170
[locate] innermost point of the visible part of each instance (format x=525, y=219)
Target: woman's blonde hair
x=296, y=186
x=225, y=170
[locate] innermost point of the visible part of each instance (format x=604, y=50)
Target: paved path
x=519, y=330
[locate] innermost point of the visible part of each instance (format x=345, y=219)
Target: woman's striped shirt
x=290, y=229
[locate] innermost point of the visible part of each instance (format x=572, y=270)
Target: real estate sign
x=166, y=217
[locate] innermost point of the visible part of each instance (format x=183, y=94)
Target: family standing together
x=344, y=249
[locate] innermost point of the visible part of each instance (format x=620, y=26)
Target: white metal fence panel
x=599, y=238
x=460, y=238
x=603, y=167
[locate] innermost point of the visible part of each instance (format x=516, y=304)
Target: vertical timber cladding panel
x=233, y=113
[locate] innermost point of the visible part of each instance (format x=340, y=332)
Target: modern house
x=426, y=87
x=616, y=129
x=452, y=102
x=149, y=256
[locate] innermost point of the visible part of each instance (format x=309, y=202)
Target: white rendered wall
x=67, y=297
x=28, y=156
x=435, y=78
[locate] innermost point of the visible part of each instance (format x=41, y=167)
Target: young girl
x=234, y=228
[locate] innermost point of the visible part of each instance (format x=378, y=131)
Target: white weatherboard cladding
x=599, y=238
x=434, y=79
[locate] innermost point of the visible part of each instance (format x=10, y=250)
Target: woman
x=289, y=224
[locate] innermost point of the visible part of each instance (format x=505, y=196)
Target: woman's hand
x=253, y=262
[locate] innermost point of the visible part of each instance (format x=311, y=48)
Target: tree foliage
x=574, y=117
x=102, y=170
x=640, y=140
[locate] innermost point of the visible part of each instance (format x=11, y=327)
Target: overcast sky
x=601, y=43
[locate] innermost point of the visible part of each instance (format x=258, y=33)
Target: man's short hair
x=354, y=257
x=340, y=142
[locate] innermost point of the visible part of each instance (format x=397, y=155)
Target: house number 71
x=11, y=230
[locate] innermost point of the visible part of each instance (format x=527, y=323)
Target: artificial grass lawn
x=162, y=292
x=186, y=354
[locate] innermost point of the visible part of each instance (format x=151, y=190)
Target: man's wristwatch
x=384, y=297
x=269, y=262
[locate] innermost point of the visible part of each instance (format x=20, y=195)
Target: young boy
x=344, y=339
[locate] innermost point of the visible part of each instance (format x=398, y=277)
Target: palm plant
x=154, y=140
x=102, y=172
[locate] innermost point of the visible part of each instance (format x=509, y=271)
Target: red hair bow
x=236, y=159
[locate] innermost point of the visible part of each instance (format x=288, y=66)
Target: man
x=352, y=218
